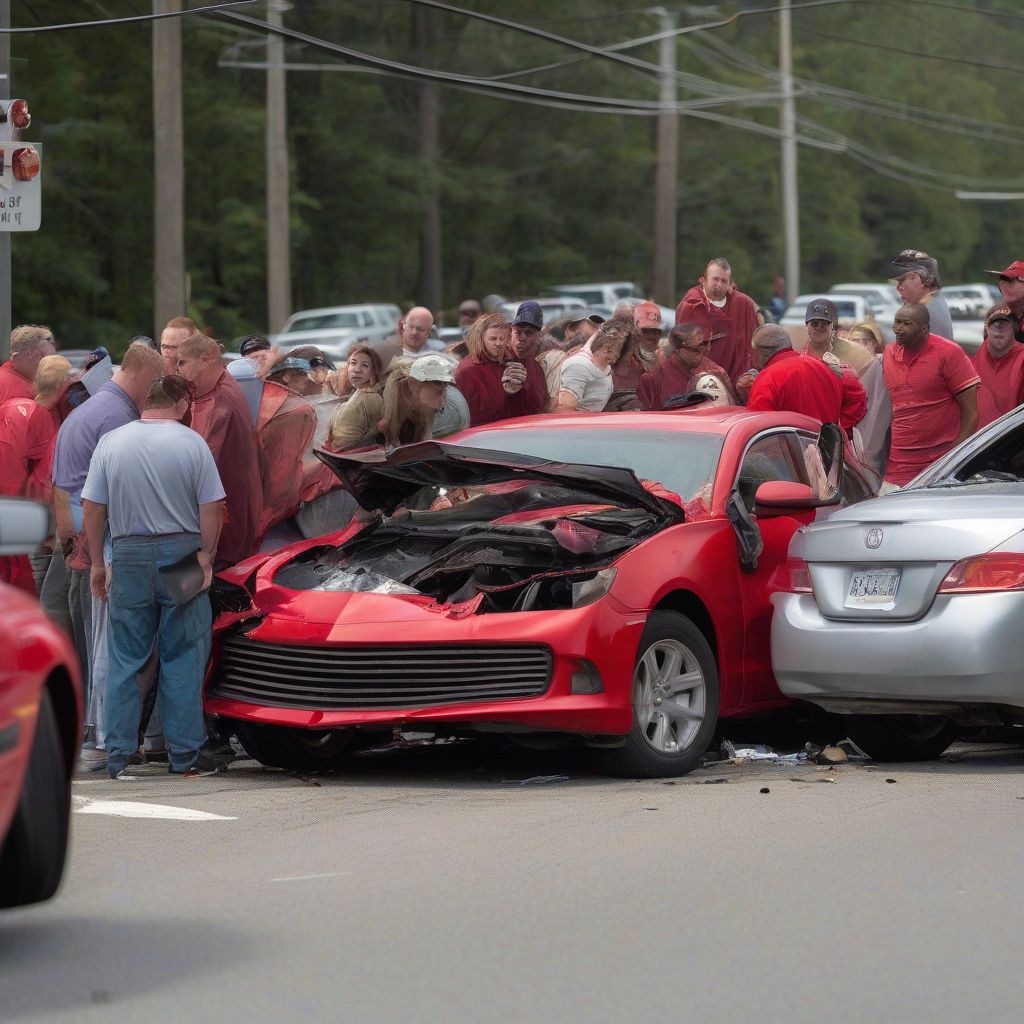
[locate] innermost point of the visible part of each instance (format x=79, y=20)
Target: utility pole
x=787, y=124
x=430, y=150
x=667, y=169
x=279, y=275
x=169, y=296
x=5, y=236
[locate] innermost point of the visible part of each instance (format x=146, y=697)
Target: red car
x=40, y=726
x=491, y=586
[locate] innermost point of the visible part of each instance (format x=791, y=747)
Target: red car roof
x=716, y=420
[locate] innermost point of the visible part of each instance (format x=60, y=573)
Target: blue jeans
x=141, y=614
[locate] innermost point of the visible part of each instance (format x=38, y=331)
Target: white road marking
x=134, y=809
x=307, y=878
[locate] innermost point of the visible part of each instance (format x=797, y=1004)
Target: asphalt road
x=433, y=885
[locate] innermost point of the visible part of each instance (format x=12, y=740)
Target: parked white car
x=601, y=293
x=883, y=298
x=335, y=329
x=970, y=301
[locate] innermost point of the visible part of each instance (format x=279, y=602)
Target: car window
x=681, y=462
x=768, y=458
x=365, y=318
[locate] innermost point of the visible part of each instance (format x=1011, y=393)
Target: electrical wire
x=994, y=131
x=131, y=19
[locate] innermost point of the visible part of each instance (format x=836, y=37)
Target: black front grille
x=339, y=678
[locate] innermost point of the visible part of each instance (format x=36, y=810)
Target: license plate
x=873, y=587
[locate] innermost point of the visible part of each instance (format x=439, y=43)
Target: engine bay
x=522, y=546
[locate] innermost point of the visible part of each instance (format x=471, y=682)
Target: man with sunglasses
x=821, y=319
x=1011, y=286
x=675, y=373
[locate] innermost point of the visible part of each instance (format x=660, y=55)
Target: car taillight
x=998, y=570
x=792, y=577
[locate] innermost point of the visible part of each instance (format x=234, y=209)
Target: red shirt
x=480, y=384
x=13, y=384
x=1002, y=382
x=27, y=434
x=668, y=379
x=855, y=398
x=925, y=413
x=729, y=328
x=790, y=383
x=222, y=417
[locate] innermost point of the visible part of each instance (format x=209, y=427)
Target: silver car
x=906, y=612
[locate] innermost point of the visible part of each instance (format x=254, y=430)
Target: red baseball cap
x=1015, y=271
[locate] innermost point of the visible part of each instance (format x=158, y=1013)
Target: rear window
x=681, y=462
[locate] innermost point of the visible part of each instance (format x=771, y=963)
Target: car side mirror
x=784, y=497
x=24, y=525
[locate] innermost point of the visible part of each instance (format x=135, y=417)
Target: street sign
x=21, y=205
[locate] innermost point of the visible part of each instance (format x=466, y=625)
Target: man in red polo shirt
x=1000, y=365
x=1011, y=286
x=934, y=389
x=788, y=382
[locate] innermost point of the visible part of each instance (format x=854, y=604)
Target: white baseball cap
x=432, y=368
x=711, y=385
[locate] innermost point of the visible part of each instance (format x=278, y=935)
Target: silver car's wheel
x=669, y=696
x=674, y=701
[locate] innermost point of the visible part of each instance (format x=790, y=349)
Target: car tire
x=32, y=862
x=901, y=737
x=674, y=694
x=296, y=750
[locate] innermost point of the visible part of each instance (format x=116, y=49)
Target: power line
x=103, y=22
x=945, y=58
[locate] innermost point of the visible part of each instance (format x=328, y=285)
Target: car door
x=773, y=455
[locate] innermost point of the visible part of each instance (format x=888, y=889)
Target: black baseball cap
x=821, y=309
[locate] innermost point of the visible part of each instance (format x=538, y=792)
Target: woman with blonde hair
x=496, y=381
x=401, y=413
x=869, y=336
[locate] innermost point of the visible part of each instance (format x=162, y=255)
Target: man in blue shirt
x=66, y=596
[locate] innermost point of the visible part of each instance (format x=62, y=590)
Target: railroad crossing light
x=14, y=114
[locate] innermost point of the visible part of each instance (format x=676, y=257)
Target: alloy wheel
x=669, y=696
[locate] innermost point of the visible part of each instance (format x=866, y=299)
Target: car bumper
x=965, y=650
x=605, y=635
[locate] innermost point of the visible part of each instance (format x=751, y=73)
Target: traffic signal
x=14, y=116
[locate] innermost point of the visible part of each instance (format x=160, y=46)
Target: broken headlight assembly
x=588, y=591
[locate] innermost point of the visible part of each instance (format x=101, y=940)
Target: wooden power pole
x=169, y=294
x=430, y=151
x=667, y=171
x=279, y=274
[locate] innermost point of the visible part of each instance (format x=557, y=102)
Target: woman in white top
x=585, y=382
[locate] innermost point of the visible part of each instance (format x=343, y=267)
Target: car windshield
x=681, y=462
x=322, y=322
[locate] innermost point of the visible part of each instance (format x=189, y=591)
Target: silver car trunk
x=885, y=558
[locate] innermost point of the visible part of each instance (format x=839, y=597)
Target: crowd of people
x=182, y=461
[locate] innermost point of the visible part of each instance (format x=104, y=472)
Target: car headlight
x=588, y=591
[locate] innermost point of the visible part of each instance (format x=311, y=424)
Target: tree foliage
x=530, y=195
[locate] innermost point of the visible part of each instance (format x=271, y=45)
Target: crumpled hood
x=382, y=480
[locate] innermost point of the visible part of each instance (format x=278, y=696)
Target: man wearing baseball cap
x=585, y=323
x=1011, y=287
x=821, y=319
x=639, y=356
x=1000, y=365
x=916, y=275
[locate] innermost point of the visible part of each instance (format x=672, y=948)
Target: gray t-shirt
x=152, y=476
x=591, y=385
x=938, y=315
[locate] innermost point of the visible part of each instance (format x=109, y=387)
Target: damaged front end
x=523, y=545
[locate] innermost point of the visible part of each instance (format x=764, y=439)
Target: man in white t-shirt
x=157, y=485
